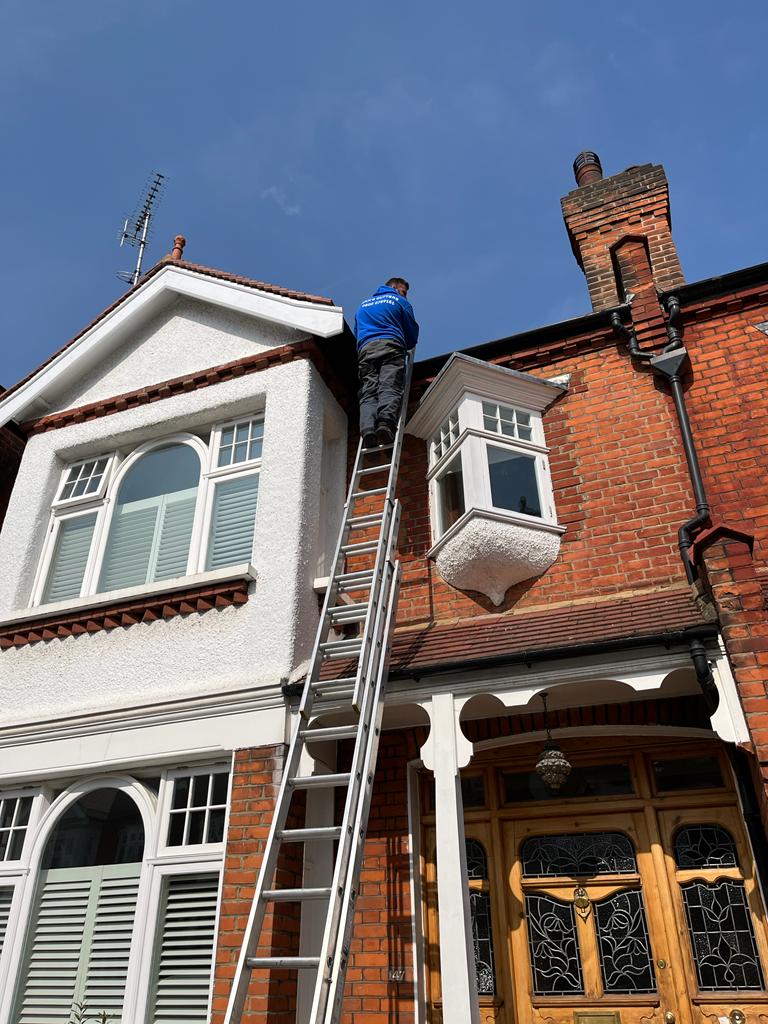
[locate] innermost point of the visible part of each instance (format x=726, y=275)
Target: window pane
x=554, y=949
x=220, y=784
x=705, y=846
x=626, y=962
x=450, y=489
x=473, y=791
x=73, y=545
x=17, y=843
x=196, y=826
x=688, y=773
x=180, y=792
x=232, y=521
x=25, y=806
x=200, y=790
x=216, y=826
x=482, y=942
x=576, y=854
x=513, y=481
x=151, y=527
x=7, y=812
x=589, y=781
x=176, y=830
x=723, y=942
x=477, y=862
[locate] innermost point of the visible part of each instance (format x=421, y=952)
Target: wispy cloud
x=277, y=195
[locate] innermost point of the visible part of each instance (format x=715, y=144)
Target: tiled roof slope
x=262, y=286
x=631, y=618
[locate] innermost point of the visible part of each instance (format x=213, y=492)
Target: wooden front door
x=629, y=899
x=590, y=941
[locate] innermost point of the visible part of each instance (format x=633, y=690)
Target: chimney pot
x=587, y=168
x=178, y=247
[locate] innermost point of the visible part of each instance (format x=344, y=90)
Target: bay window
x=491, y=501
x=170, y=508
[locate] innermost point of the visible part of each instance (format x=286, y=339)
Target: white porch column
x=444, y=753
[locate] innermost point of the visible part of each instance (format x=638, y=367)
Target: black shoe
x=385, y=434
x=370, y=439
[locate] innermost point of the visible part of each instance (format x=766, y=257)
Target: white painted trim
x=419, y=942
x=464, y=374
x=83, y=353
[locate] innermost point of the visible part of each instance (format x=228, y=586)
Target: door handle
x=669, y=1017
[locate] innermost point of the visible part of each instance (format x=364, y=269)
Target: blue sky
x=327, y=146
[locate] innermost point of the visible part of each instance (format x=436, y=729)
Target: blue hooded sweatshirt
x=386, y=315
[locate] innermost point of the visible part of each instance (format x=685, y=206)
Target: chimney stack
x=620, y=231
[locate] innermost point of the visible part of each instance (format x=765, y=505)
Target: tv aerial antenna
x=135, y=230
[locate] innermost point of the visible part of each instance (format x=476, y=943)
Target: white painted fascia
x=245, y=571
x=32, y=397
x=464, y=374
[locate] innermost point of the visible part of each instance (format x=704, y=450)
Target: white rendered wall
x=186, y=337
x=236, y=648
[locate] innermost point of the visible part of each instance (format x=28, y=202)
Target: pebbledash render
x=570, y=803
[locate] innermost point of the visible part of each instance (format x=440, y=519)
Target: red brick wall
x=621, y=490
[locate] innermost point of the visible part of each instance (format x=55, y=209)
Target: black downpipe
x=670, y=365
x=745, y=785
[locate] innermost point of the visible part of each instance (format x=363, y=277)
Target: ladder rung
x=355, y=580
x=330, y=684
x=297, y=963
x=370, y=493
x=377, y=448
x=295, y=895
x=301, y=835
x=360, y=522
x=336, y=649
x=321, y=781
x=383, y=467
x=348, y=612
x=363, y=547
x=330, y=732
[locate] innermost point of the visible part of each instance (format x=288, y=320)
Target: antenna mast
x=136, y=227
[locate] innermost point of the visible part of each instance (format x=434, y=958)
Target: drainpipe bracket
x=671, y=364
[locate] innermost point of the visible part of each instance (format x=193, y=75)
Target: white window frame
x=104, y=503
x=472, y=445
x=193, y=851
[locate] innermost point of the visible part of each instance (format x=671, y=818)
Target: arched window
x=79, y=941
x=151, y=527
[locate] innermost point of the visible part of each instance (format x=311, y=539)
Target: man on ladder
x=386, y=330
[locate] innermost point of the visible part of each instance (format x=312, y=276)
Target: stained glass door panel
x=587, y=929
x=719, y=911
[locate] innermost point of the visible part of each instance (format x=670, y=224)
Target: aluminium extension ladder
x=357, y=593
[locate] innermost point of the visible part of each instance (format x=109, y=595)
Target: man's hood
x=385, y=289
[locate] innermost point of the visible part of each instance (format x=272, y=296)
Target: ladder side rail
x=272, y=847
x=366, y=640
x=397, y=445
x=332, y=992
x=349, y=837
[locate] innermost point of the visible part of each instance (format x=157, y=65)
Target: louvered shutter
x=110, y=949
x=6, y=898
x=73, y=545
x=79, y=945
x=129, y=548
x=184, y=957
x=175, y=535
x=55, y=947
x=234, y=514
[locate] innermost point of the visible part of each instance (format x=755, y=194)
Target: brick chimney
x=620, y=231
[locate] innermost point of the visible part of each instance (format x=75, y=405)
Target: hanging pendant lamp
x=553, y=766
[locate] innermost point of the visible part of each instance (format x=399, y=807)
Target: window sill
x=201, y=592
x=489, y=551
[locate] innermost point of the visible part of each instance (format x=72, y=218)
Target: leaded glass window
x=722, y=937
x=705, y=846
x=590, y=853
x=626, y=961
x=480, y=915
x=553, y=946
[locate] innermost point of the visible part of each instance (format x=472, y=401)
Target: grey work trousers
x=381, y=370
